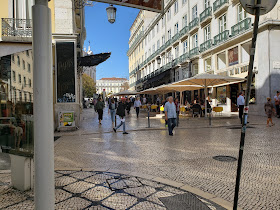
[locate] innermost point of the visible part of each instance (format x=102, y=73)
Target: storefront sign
x=65, y=72
x=233, y=56
x=152, y=5
x=66, y=119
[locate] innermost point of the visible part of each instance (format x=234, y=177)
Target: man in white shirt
x=277, y=103
x=137, y=104
x=170, y=114
x=240, y=104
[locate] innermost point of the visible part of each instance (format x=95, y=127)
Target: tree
x=89, y=87
x=125, y=86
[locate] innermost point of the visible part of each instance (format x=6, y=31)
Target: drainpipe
x=43, y=106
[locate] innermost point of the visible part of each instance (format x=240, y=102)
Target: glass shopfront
x=16, y=100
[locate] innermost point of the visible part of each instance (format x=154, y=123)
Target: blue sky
x=107, y=37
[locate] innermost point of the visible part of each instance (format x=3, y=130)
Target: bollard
x=149, y=117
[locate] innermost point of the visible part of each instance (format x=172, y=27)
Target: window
x=223, y=23
x=206, y=4
x=163, y=21
x=163, y=60
x=146, y=55
x=168, y=15
x=176, y=28
x=14, y=76
x=177, y=51
x=241, y=13
x=27, y=53
x=19, y=78
x=184, y=21
x=154, y=66
x=169, y=34
x=154, y=48
x=184, y=1
x=194, y=12
x=157, y=27
x=25, y=97
x=185, y=46
x=24, y=81
x=158, y=44
x=13, y=58
x=176, y=7
x=207, y=33
x=153, y=32
x=163, y=40
x=23, y=64
x=18, y=60
x=194, y=40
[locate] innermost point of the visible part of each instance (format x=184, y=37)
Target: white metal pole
x=43, y=106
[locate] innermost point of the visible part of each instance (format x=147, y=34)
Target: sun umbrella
x=208, y=80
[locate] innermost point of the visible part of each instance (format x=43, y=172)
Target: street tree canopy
x=89, y=86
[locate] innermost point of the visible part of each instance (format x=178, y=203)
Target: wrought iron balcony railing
x=193, y=24
x=219, y=4
x=221, y=37
x=183, y=58
x=205, y=14
x=16, y=27
x=206, y=45
x=194, y=52
x=241, y=27
x=184, y=31
x=139, y=36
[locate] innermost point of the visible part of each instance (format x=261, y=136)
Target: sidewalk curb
x=182, y=186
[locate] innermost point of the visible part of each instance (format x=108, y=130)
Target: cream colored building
x=110, y=85
x=21, y=77
x=212, y=36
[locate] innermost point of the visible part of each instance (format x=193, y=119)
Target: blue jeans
x=121, y=124
x=171, y=125
x=113, y=115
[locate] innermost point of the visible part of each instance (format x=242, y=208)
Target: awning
x=93, y=60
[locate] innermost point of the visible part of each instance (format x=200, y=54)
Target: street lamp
x=111, y=13
x=158, y=60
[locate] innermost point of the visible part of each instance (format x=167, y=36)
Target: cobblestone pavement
x=187, y=157
x=105, y=190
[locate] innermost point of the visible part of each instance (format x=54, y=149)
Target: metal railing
x=241, y=26
x=184, y=31
x=184, y=58
x=221, y=37
x=16, y=27
x=206, y=45
x=139, y=36
x=193, y=24
x=194, y=52
x=205, y=14
x=219, y=4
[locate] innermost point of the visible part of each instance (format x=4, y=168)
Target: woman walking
x=99, y=109
x=112, y=109
x=269, y=109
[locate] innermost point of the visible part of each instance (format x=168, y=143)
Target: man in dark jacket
x=99, y=109
x=121, y=113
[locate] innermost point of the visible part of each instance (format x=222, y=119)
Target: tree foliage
x=89, y=86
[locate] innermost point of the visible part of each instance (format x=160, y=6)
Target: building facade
x=111, y=85
x=209, y=36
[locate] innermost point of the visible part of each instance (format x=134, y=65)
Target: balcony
x=220, y=6
x=139, y=36
x=184, y=31
x=206, y=45
x=193, y=25
x=206, y=16
x=16, y=30
x=184, y=58
x=221, y=37
x=241, y=27
x=194, y=52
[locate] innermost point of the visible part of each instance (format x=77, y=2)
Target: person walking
x=128, y=105
x=112, y=109
x=144, y=100
x=137, y=104
x=121, y=113
x=240, y=105
x=269, y=109
x=277, y=103
x=177, y=104
x=99, y=109
x=170, y=115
